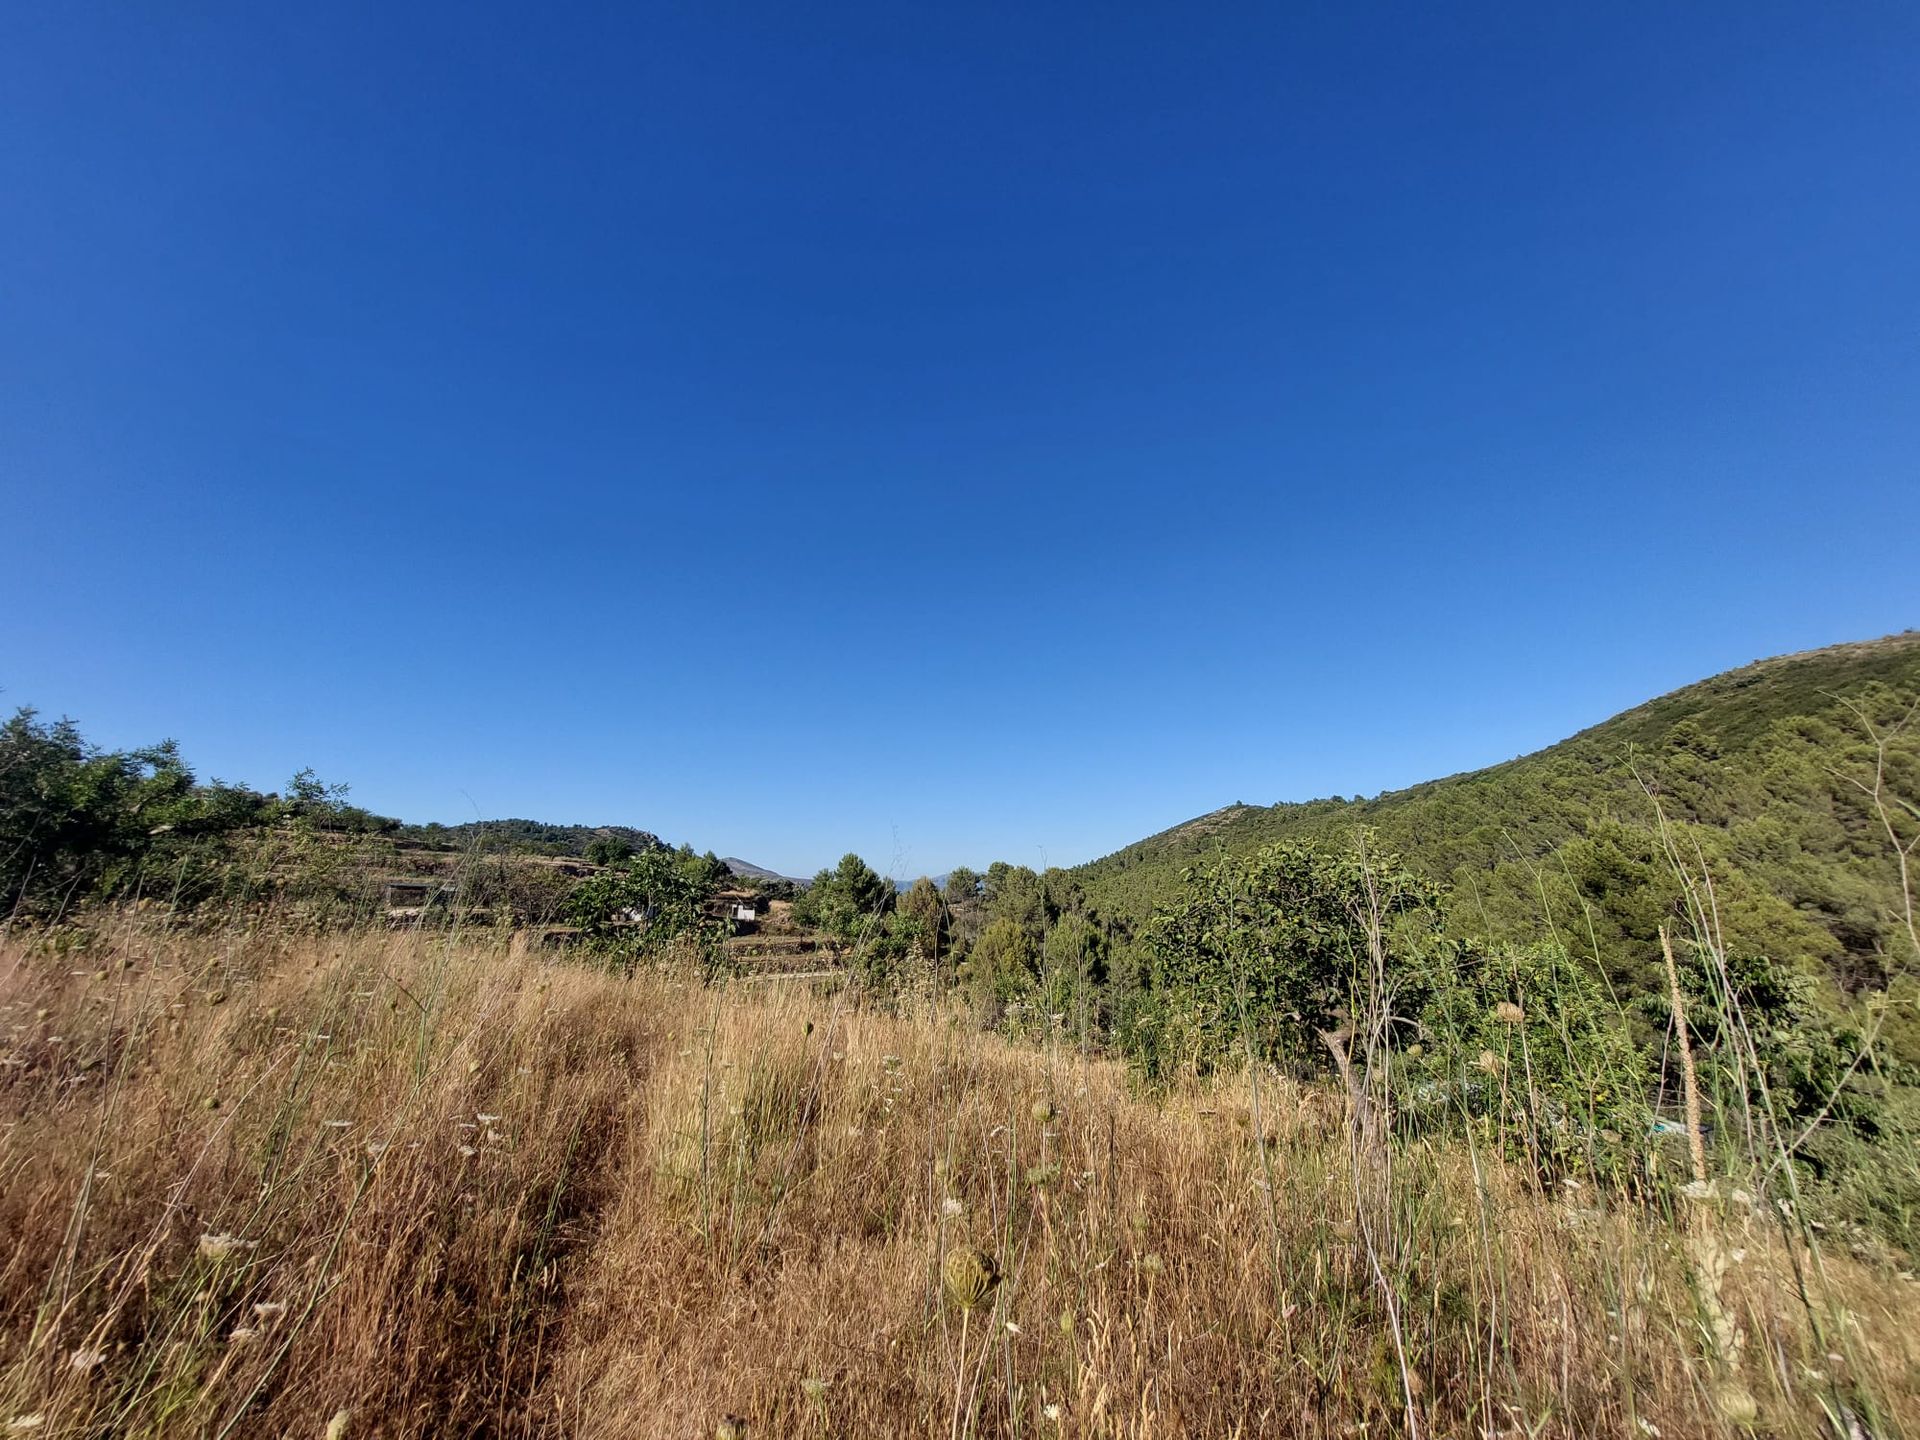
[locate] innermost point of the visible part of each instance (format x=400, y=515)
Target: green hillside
x=1752, y=771
x=532, y=837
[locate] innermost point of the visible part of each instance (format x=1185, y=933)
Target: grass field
x=399, y=1185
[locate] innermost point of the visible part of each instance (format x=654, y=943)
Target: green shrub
x=1525, y=1041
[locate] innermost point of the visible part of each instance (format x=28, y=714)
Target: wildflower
x=952, y=1207
x=1044, y=1112
x=1012, y=1329
x=1052, y=1412
x=86, y=1359
x=731, y=1427
x=1488, y=1062
x=269, y=1309
x=468, y=1150
x=1508, y=1013
x=487, y=1119
x=218, y=1247
x=243, y=1335
x=969, y=1276
x=814, y=1389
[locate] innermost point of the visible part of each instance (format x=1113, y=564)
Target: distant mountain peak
x=750, y=871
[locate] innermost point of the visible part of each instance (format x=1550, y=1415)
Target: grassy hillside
x=267, y=1170
x=1748, y=778
x=388, y=1186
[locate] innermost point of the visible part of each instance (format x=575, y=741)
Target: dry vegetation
x=402, y=1185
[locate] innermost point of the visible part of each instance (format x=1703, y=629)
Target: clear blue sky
x=944, y=432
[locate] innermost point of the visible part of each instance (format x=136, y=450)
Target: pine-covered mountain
x=1758, y=780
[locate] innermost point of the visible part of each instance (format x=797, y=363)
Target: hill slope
x=747, y=870
x=531, y=837
x=1750, y=769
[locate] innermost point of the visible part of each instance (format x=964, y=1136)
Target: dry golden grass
x=394, y=1186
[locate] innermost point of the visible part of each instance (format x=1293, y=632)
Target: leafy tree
x=609, y=849
x=966, y=908
x=1073, y=980
x=1001, y=970
x=962, y=885
x=78, y=822
x=922, y=918
x=646, y=905
x=1261, y=955
x=848, y=901
x=312, y=802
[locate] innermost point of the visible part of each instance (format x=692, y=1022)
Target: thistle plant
x=969, y=1276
